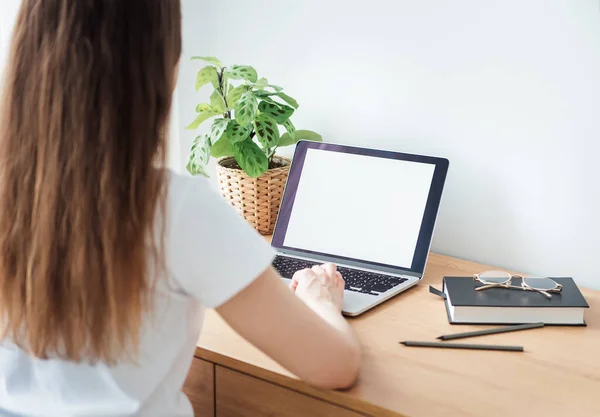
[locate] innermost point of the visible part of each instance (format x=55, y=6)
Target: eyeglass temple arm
x=513, y=287
x=486, y=286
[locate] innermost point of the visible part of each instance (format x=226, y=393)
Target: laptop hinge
x=402, y=274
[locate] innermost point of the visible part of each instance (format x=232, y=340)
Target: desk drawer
x=240, y=395
x=199, y=388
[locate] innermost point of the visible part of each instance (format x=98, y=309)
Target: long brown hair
x=83, y=120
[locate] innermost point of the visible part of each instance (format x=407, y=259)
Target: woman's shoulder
x=189, y=196
x=203, y=234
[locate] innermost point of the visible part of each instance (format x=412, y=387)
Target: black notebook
x=464, y=305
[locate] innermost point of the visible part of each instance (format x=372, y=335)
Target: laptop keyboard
x=356, y=280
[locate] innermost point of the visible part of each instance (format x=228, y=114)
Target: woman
x=107, y=261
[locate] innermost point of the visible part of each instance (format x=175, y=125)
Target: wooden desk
x=558, y=375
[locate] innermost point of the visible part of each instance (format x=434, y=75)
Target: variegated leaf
x=250, y=157
x=217, y=129
x=266, y=130
x=270, y=98
x=291, y=129
x=242, y=72
x=279, y=112
x=262, y=94
x=245, y=108
x=199, y=156
x=238, y=133
x=206, y=75
x=234, y=94
x=203, y=107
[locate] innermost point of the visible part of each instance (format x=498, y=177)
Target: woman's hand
x=306, y=333
x=322, y=285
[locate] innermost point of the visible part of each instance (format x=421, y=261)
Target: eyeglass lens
x=494, y=277
x=540, y=283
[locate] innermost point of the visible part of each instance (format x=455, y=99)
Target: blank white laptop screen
x=359, y=207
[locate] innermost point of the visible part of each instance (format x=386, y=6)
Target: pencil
x=462, y=346
x=491, y=331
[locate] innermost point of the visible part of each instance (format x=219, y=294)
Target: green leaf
x=222, y=148
x=269, y=98
x=217, y=129
x=238, y=133
x=234, y=94
x=199, y=156
x=242, y=72
x=279, y=112
x=266, y=130
x=202, y=116
x=245, y=108
x=289, y=100
x=203, y=107
x=261, y=83
x=226, y=86
x=264, y=95
x=208, y=59
x=275, y=88
x=291, y=129
x=250, y=157
x=217, y=102
x=286, y=138
x=206, y=75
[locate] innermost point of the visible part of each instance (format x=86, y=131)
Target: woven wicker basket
x=256, y=199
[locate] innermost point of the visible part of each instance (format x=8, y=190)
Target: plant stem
x=223, y=93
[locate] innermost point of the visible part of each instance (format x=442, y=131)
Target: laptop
x=371, y=212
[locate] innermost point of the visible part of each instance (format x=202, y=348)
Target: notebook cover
x=462, y=293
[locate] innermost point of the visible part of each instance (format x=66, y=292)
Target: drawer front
x=199, y=388
x=240, y=395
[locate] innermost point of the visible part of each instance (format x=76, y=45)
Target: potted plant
x=246, y=114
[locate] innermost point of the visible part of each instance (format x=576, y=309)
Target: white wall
x=8, y=13
x=508, y=90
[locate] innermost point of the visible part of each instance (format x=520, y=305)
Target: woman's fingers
x=330, y=270
x=320, y=283
x=303, y=274
x=339, y=280
x=294, y=282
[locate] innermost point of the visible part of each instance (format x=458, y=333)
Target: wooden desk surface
x=557, y=375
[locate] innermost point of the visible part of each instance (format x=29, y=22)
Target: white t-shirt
x=211, y=254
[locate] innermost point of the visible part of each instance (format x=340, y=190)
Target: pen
x=491, y=331
x=462, y=346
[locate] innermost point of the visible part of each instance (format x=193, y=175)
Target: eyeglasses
x=500, y=279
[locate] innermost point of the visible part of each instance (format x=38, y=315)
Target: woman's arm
x=308, y=335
